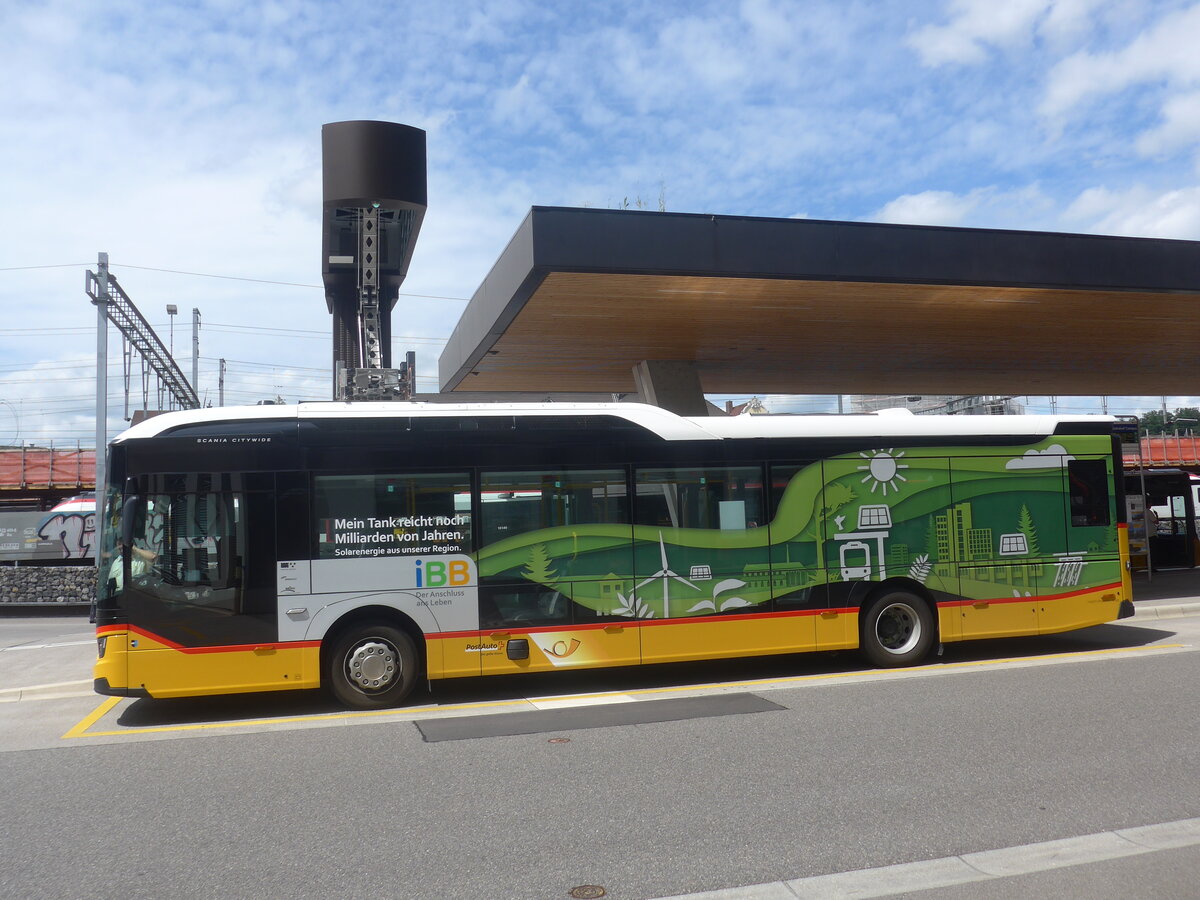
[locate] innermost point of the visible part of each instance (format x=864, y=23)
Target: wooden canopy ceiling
x=795, y=306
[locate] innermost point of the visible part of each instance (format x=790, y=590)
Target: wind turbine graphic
x=666, y=575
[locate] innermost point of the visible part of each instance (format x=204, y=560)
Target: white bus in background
x=1171, y=517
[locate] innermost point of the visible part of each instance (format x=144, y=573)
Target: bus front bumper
x=102, y=687
x=110, y=674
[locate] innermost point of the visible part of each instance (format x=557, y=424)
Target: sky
x=183, y=139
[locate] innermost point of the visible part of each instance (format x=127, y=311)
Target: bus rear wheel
x=896, y=629
x=372, y=666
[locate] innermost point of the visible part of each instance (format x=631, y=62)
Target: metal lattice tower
x=138, y=333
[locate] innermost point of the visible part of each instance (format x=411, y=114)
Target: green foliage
x=1152, y=421
x=538, y=568
x=838, y=495
x=1110, y=539
x=640, y=202
x=1026, y=527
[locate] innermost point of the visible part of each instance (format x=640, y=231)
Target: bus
x=366, y=547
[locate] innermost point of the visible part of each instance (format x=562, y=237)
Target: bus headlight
x=102, y=643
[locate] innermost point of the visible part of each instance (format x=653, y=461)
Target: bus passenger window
x=522, y=604
x=725, y=499
x=392, y=515
x=514, y=503
x=1088, y=492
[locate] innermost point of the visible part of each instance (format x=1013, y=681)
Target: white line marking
x=893, y=879
x=1052, y=854
x=48, y=646
x=589, y=700
x=55, y=691
x=887, y=881
x=1166, y=836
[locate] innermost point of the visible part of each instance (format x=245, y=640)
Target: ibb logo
x=435, y=573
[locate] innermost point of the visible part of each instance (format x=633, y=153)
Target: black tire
x=371, y=665
x=896, y=629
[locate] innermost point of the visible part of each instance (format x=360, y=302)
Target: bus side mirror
x=127, y=511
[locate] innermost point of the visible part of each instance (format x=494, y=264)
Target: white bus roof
x=667, y=425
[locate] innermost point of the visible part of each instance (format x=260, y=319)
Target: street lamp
x=172, y=311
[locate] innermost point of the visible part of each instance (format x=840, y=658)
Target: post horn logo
x=562, y=649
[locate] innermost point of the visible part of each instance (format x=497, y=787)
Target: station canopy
x=580, y=297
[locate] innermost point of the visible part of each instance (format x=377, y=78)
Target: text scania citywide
x=234, y=440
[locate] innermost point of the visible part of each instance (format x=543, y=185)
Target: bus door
x=1003, y=522
x=704, y=582
x=1092, y=553
x=201, y=588
x=1172, y=533
x=1014, y=611
x=535, y=627
x=556, y=589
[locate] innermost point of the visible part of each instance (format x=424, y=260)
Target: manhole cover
x=586, y=891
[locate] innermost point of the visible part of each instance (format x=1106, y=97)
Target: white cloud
x=1180, y=127
x=1137, y=211
x=1164, y=52
x=927, y=208
x=1053, y=457
x=976, y=24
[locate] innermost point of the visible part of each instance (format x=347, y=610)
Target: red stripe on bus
x=638, y=623
x=222, y=648
x=593, y=626
x=1032, y=598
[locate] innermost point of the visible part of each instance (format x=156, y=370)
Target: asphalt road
x=996, y=745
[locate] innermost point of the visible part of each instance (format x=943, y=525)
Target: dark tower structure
x=375, y=195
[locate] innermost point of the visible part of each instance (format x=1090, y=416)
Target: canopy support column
x=672, y=384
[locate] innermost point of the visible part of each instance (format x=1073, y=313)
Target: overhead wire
x=51, y=266
x=126, y=265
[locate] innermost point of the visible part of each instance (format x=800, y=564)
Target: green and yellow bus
x=364, y=547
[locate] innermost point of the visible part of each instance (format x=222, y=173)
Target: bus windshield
x=108, y=563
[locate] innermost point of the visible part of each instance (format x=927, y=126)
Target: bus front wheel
x=371, y=666
x=896, y=629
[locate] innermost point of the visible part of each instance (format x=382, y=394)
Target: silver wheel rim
x=898, y=628
x=373, y=665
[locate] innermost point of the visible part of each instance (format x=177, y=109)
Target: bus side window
x=514, y=503
x=535, y=514
x=1089, y=495
x=725, y=499
x=425, y=514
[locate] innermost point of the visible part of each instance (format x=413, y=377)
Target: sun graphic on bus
x=883, y=470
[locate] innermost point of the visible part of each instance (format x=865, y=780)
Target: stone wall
x=47, y=584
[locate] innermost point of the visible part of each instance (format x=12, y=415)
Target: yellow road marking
x=78, y=730
x=81, y=730
x=92, y=718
